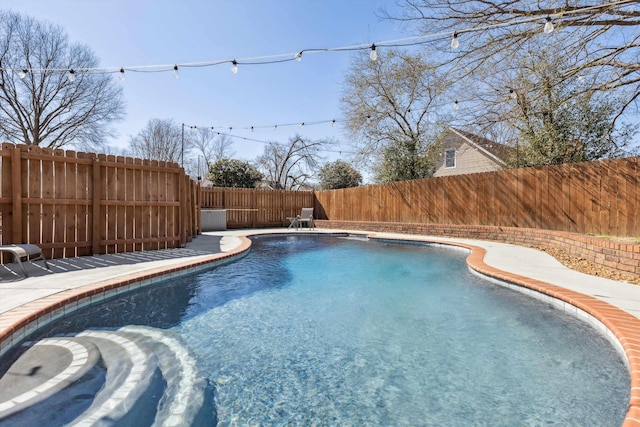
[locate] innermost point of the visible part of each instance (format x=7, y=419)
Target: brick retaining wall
x=609, y=253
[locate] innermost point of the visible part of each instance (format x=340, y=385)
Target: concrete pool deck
x=75, y=282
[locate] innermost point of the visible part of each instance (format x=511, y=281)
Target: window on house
x=450, y=159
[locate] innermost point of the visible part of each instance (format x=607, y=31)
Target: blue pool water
x=329, y=331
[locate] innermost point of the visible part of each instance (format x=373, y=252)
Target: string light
x=274, y=127
x=277, y=126
x=244, y=138
x=548, y=26
x=176, y=74
x=456, y=106
x=270, y=59
x=455, y=43
x=373, y=55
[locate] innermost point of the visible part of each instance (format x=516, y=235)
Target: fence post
x=254, y=203
x=97, y=218
x=16, y=194
x=182, y=217
x=198, y=209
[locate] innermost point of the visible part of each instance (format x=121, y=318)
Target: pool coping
x=616, y=324
x=19, y=322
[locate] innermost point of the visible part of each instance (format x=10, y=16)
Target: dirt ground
x=584, y=266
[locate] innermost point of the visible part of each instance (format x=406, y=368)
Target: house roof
x=498, y=152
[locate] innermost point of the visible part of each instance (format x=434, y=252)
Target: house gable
x=464, y=153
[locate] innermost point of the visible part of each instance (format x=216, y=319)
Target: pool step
x=57, y=376
x=134, y=376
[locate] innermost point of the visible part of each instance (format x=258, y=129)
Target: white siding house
x=462, y=153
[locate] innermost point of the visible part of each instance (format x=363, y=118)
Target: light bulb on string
x=333, y=123
x=275, y=127
x=513, y=93
x=122, y=74
x=301, y=125
x=72, y=76
x=22, y=73
x=535, y=16
x=176, y=74
x=373, y=55
x=299, y=56
x=455, y=43
x=234, y=67
x=456, y=105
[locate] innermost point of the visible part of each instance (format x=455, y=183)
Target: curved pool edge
x=19, y=322
x=622, y=327
x=617, y=325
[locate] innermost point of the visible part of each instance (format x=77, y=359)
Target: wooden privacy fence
x=249, y=207
x=600, y=198
x=74, y=204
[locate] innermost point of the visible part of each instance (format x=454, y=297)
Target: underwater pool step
x=184, y=396
x=130, y=373
x=55, y=376
x=133, y=376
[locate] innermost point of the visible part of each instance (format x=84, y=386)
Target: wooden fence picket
x=600, y=197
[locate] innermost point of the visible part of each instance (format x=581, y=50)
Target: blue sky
x=144, y=32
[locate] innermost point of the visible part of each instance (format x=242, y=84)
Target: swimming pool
x=337, y=331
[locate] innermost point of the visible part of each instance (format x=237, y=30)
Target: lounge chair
x=305, y=217
x=25, y=252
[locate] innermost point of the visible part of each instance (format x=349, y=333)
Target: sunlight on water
x=337, y=332
x=328, y=331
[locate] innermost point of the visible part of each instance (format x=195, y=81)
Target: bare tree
x=39, y=104
x=290, y=166
x=212, y=146
x=159, y=140
x=559, y=121
x=599, y=42
x=391, y=109
x=205, y=147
